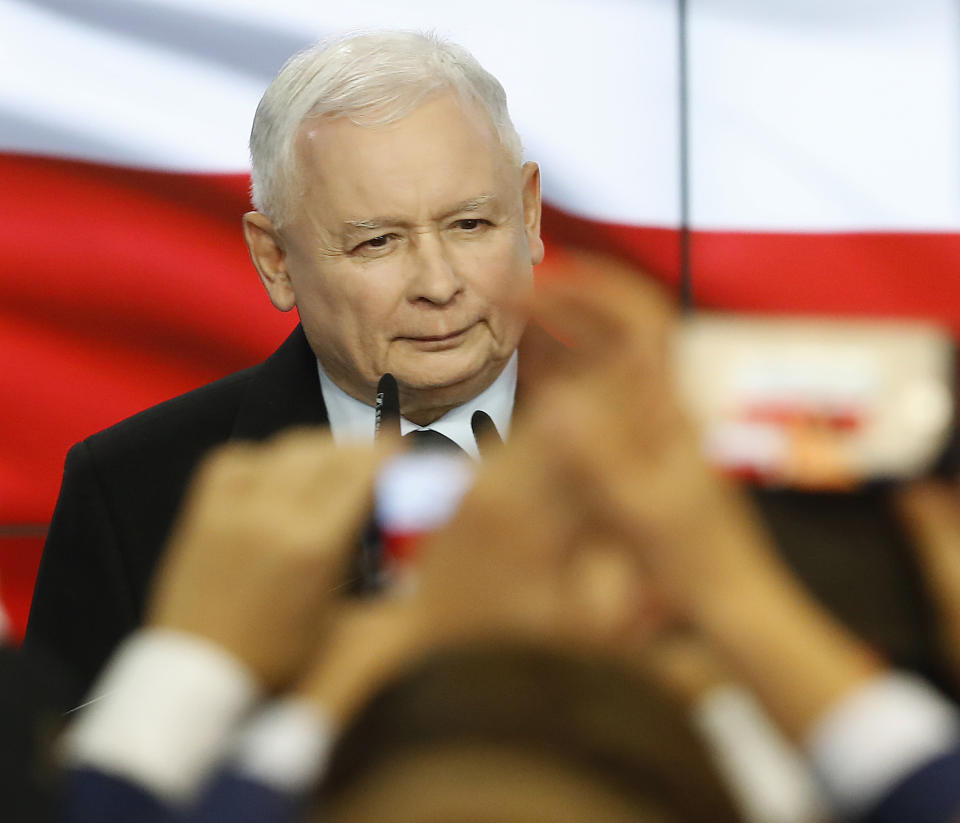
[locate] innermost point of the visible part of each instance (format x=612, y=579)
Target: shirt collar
x=352, y=421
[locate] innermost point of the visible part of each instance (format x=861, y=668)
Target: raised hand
x=260, y=548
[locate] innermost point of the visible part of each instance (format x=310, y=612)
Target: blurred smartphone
x=415, y=494
x=820, y=404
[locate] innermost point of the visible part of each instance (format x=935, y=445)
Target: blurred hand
x=521, y=559
x=260, y=547
x=515, y=563
x=598, y=522
x=621, y=438
x=524, y=555
x=630, y=465
x=370, y=641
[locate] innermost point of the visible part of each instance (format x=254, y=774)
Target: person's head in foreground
x=514, y=734
x=396, y=214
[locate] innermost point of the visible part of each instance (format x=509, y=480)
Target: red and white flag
x=823, y=171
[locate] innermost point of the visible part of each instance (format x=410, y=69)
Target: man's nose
x=435, y=279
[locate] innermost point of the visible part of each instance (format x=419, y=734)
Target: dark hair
x=587, y=713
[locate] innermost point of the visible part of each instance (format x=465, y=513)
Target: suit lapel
x=284, y=391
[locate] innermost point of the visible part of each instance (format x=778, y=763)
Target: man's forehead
x=440, y=159
x=374, y=121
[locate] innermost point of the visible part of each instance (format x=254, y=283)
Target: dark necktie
x=430, y=440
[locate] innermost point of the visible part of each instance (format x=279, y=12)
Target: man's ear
x=269, y=257
x=531, y=210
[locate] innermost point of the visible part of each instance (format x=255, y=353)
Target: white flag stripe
x=83, y=92
x=571, y=71
x=827, y=116
x=805, y=116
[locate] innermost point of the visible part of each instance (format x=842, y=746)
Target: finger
x=606, y=307
x=617, y=343
x=546, y=355
x=604, y=594
x=931, y=511
x=302, y=468
x=296, y=462
x=325, y=507
x=227, y=469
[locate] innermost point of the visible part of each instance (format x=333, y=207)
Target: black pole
x=683, y=116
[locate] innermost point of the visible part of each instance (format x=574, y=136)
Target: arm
x=642, y=477
x=241, y=599
x=931, y=511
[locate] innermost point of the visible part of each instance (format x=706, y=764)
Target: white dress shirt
x=171, y=708
x=353, y=422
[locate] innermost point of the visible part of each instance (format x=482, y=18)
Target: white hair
x=373, y=79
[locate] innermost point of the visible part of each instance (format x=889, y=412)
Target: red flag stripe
x=125, y=287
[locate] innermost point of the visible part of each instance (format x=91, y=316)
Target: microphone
x=366, y=562
x=485, y=432
x=387, y=406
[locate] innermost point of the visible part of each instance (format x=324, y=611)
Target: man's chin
x=451, y=382
x=435, y=381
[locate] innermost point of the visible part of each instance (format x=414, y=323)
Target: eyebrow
x=374, y=223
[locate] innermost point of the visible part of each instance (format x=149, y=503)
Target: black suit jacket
x=121, y=490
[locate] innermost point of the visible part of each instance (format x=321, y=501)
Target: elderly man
x=394, y=212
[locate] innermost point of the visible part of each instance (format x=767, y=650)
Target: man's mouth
x=437, y=340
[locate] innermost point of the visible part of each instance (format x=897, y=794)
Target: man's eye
x=471, y=223
x=381, y=241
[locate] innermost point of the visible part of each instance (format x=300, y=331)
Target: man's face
x=407, y=241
